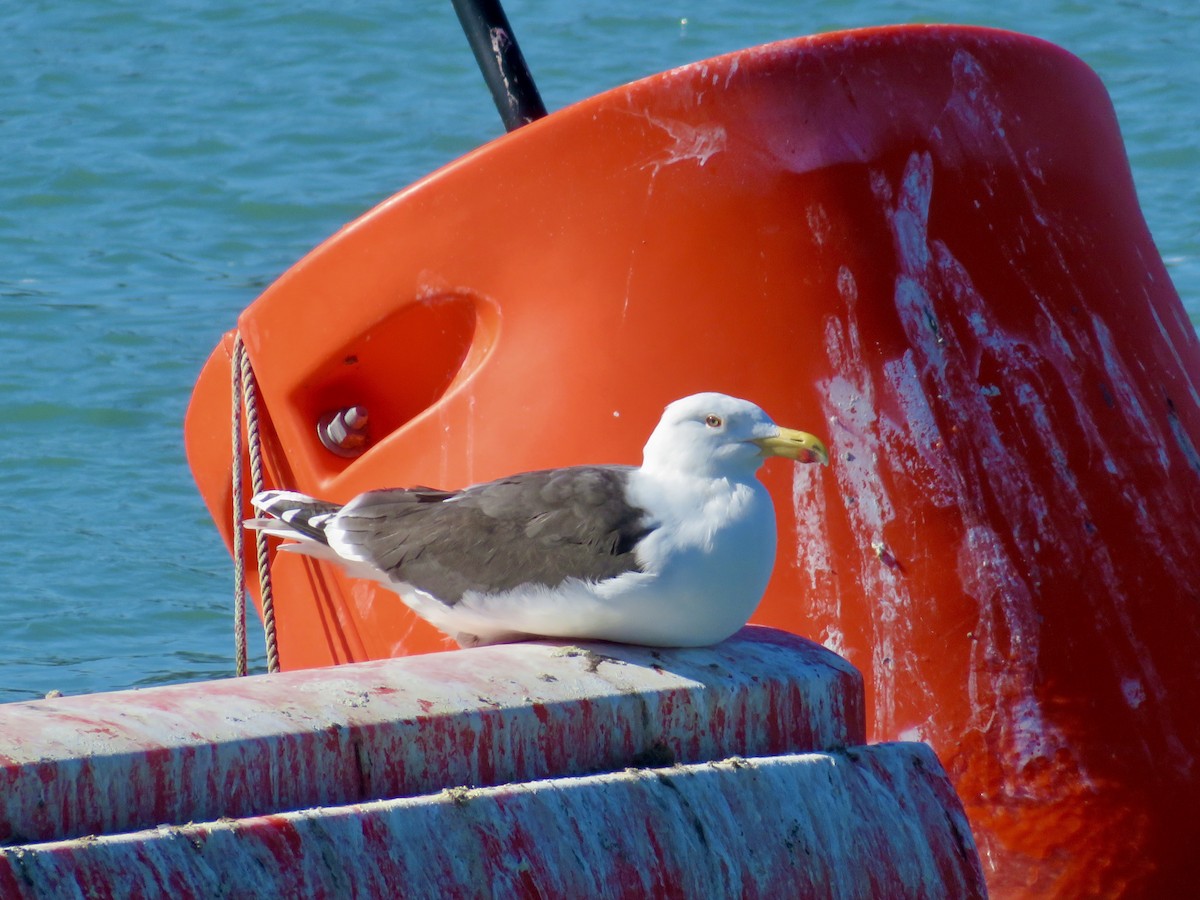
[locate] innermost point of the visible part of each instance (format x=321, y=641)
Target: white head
x=719, y=436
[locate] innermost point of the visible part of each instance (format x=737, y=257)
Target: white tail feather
x=265, y=500
x=276, y=528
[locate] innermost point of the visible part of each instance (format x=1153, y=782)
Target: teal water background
x=161, y=163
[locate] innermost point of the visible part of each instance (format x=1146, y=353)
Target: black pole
x=500, y=60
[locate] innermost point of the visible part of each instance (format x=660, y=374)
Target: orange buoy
x=902, y=239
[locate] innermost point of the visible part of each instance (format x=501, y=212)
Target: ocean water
x=161, y=163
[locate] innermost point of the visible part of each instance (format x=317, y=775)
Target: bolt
x=344, y=432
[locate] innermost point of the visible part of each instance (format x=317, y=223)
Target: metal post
x=501, y=62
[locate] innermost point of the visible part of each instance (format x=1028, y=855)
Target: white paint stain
x=961, y=375
x=689, y=143
x=812, y=559
x=1135, y=693
x=812, y=556
x=1170, y=345
x=501, y=41
x=733, y=67
x=818, y=223
x=932, y=374
x=850, y=405
x=912, y=734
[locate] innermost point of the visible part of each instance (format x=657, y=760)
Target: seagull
x=674, y=553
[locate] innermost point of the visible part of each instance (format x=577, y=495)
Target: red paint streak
x=11, y=885
x=281, y=839
x=488, y=748
x=666, y=884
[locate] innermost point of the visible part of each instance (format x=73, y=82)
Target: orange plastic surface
x=921, y=243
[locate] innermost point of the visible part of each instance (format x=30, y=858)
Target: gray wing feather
x=536, y=527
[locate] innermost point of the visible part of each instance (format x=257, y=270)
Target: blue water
x=161, y=163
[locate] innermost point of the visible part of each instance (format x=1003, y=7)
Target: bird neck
x=697, y=472
x=695, y=509
x=687, y=492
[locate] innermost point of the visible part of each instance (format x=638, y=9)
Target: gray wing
x=536, y=527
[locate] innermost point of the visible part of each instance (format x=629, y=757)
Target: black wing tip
x=293, y=514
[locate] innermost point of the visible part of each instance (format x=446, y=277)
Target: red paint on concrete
x=117, y=762
x=879, y=821
x=380, y=765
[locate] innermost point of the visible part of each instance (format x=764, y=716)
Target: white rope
x=249, y=402
x=239, y=533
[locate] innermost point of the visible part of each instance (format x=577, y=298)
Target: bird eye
x=713, y=421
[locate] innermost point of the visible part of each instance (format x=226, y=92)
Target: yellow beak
x=798, y=445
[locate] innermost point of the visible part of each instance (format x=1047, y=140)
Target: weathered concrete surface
x=880, y=821
x=108, y=763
